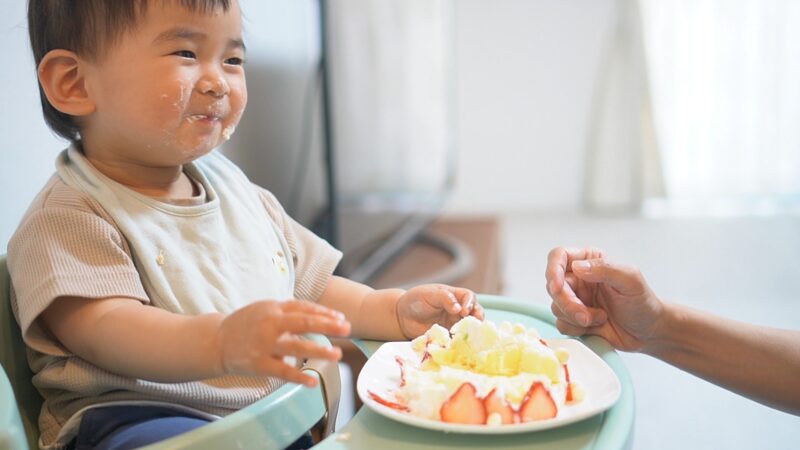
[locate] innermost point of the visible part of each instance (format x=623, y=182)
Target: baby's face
x=170, y=90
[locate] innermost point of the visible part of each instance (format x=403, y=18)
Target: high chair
x=271, y=423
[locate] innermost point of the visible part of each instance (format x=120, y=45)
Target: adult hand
x=255, y=339
x=593, y=296
x=422, y=306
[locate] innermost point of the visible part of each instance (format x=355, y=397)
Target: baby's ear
x=63, y=80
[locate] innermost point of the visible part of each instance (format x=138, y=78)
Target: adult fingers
x=557, y=265
x=627, y=280
x=576, y=309
x=559, y=262
x=569, y=329
x=583, y=290
x=299, y=323
x=556, y=311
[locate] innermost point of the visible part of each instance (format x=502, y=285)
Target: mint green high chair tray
x=271, y=423
x=610, y=430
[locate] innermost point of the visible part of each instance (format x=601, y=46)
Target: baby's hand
x=423, y=306
x=253, y=340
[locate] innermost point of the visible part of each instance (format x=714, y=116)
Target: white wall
x=525, y=73
x=27, y=156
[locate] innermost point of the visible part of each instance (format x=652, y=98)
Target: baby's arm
x=132, y=339
x=371, y=312
x=397, y=314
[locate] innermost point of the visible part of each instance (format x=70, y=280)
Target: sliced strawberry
x=537, y=404
x=464, y=406
x=389, y=403
x=495, y=403
x=402, y=363
x=569, y=384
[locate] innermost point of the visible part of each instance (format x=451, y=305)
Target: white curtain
x=392, y=84
x=698, y=103
x=622, y=162
x=725, y=80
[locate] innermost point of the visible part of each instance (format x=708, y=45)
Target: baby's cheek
x=232, y=121
x=170, y=108
x=239, y=103
x=238, y=99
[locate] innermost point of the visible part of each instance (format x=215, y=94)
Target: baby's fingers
x=302, y=348
x=477, y=311
x=290, y=373
x=301, y=323
x=466, y=299
x=439, y=297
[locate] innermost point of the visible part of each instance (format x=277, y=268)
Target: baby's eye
x=185, y=54
x=235, y=61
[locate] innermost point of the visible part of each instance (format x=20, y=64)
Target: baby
x=156, y=286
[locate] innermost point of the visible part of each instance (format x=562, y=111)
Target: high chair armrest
x=273, y=422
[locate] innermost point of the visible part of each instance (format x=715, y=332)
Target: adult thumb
x=626, y=280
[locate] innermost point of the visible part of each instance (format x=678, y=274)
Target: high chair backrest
x=19, y=401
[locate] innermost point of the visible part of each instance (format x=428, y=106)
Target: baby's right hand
x=253, y=340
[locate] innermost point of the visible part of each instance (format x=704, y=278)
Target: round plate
x=381, y=375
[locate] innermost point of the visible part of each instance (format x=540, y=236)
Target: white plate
x=381, y=375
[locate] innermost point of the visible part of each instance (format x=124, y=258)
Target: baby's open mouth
x=203, y=118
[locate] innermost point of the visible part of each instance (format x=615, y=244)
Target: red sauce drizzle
x=389, y=403
x=569, y=384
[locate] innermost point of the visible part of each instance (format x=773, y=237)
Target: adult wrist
x=666, y=330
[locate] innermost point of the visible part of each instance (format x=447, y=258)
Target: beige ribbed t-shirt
x=67, y=245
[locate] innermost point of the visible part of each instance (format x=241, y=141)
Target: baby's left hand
x=422, y=306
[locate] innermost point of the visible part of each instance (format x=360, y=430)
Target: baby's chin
x=189, y=145
x=191, y=154
x=188, y=150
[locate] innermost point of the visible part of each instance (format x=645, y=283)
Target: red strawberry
x=494, y=403
x=537, y=404
x=464, y=406
x=389, y=403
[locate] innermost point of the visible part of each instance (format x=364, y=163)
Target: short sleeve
x=63, y=251
x=314, y=258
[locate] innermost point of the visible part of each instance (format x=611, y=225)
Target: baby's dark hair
x=88, y=28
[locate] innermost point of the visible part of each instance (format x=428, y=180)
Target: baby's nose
x=213, y=84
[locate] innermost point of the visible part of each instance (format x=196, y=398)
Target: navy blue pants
x=128, y=427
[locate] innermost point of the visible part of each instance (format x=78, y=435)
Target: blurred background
x=460, y=140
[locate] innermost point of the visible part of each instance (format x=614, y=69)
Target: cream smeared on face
x=168, y=92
